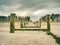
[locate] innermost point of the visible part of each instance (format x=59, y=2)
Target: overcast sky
x=33, y=8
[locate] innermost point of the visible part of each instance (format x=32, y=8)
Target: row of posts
x=13, y=18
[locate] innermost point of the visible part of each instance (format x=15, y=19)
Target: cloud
x=8, y=2
x=33, y=8
x=39, y=4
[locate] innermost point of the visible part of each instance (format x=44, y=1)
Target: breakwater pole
x=48, y=23
x=12, y=22
x=21, y=23
x=40, y=23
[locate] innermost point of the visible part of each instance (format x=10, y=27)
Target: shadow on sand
x=57, y=39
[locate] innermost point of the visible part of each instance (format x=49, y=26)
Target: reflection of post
x=40, y=23
x=12, y=23
x=48, y=23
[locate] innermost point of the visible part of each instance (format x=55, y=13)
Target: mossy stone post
x=12, y=22
x=21, y=22
x=24, y=22
x=37, y=24
x=48, y=23
x=40, y=23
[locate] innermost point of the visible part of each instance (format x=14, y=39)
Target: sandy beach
x=28, y=37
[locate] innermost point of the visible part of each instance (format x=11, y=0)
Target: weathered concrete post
x=48, y=23
x=12, y=22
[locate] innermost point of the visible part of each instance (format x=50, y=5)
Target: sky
x=32, y=8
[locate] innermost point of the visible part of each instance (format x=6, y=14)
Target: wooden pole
x=48, y=23
x=12, y=23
